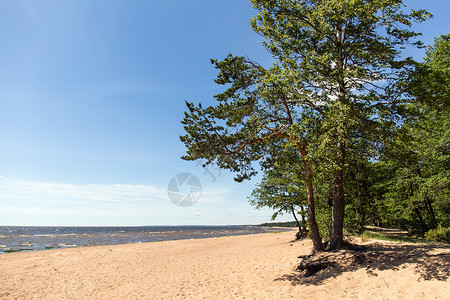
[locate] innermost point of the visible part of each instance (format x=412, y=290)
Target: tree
x=416, y=164
x=282, y=188
x=254, y=118
x=430, y=83
x=417, y=160
x=344, y=57
x=334, y=77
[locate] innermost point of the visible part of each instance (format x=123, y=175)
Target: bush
x=440, y=234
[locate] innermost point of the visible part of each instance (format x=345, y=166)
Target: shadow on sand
x=431, y=262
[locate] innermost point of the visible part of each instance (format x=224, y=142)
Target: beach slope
x=260, y=266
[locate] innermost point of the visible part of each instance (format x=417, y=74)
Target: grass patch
x=369, y=234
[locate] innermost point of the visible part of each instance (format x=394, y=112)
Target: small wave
x=66, y=245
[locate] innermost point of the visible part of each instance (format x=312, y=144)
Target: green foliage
x=440, y=234
x=430, y=82
x=332, y=93
x=279, y=224
x=343, y=56
x=323, y=216
x=416, y=164
x=282, y=187
x=416, y=160
x=359, y=195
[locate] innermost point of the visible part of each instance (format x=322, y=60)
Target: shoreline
x=255, y=266
x=32, y=238
x=68, y=247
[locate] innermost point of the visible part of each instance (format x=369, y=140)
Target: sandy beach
x=260, y=266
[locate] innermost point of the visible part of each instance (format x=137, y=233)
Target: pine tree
x=335, y=73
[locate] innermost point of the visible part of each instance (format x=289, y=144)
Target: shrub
x=440, y=234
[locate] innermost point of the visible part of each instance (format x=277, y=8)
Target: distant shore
x=258, y=266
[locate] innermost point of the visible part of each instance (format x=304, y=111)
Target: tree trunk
x=337, y=218
x=431, y=212
x=304, y=221
x=424, y=227
x=314, y=229
x=296, y=220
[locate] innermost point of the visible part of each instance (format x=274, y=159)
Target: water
x=32, y=238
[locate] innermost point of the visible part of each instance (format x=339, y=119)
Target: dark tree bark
x=337, y=219
x=431, y=212
x=314, y=229
x=304, y=222
x=336, y=238
x=296, y=220
x=424, y=227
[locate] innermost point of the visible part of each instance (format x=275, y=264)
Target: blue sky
x=91, y=98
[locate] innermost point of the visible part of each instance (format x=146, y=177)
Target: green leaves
x=336, y=90
x=283, y=185
x=417, y=159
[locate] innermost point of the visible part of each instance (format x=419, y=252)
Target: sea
x=33, y=238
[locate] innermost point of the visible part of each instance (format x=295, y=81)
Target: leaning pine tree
x=335, y=73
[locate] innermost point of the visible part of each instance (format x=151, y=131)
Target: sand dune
x=241, y=267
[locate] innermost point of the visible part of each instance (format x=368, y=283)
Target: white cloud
x=46, y=192
x=24, y=202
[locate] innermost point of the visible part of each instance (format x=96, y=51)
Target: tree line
x=343, y=125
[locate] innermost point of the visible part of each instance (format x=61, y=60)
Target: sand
x=240, y=267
